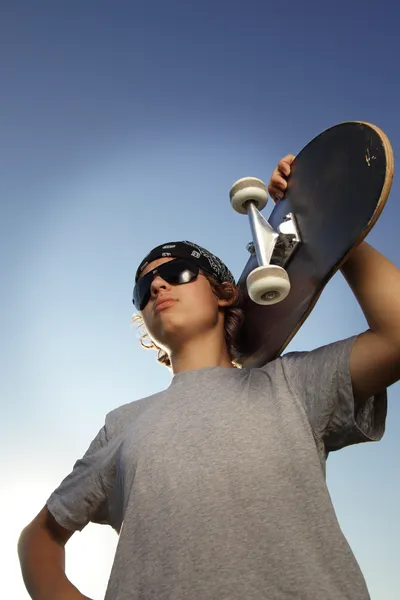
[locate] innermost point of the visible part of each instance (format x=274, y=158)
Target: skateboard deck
x=337, y=189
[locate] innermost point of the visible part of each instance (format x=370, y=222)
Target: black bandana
x=192, y=252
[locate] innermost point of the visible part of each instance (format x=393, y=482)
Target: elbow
x=24, y=541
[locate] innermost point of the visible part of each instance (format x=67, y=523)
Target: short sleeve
x=82, y=496
x=321, y=380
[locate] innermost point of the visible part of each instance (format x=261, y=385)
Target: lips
x=163, y=302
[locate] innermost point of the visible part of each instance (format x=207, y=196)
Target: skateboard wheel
x=248, y=189
x=268, y=284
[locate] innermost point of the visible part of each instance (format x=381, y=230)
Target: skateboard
x=337, y=189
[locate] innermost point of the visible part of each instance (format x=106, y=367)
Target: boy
x=217, y=484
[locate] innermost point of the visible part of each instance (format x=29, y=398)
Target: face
x=178, y=313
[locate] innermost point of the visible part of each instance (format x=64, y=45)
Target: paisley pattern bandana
x=192, y=252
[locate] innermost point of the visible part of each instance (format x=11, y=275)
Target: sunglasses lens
x=178, y=272
x=140, y=293
x=175, y=272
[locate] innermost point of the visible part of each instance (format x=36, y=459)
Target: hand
x=278, y=182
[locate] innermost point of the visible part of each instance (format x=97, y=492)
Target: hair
x=234, y=318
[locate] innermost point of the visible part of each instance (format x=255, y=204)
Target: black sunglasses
x=175, y=272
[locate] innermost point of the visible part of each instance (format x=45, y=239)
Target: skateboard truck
x=268, y=283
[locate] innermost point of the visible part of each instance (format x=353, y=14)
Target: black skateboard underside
x=334, y=190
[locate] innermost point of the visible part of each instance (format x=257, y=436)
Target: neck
x=200, y=353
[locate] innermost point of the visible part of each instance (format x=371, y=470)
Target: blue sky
x=123, y=125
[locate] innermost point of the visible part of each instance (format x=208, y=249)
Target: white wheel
x=248, y=189
x=268, y=285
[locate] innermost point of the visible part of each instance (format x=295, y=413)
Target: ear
x=230, y=295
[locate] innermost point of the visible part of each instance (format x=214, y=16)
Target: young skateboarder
x=216, y=485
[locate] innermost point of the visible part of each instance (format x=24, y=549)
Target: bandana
x=192, y=252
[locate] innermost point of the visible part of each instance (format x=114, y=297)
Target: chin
x=169, y=330
x=173, y=331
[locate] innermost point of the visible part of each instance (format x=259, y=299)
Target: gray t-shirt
x=217, y=484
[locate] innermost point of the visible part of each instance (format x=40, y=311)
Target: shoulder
x=306, y=370
x=118, y=419
x=321, y=357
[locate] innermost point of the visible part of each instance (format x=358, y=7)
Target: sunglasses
x=175, y=272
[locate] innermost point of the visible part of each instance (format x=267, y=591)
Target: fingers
x=277, y=186
x=278, y=182
x=276, y=194
x=284, y=164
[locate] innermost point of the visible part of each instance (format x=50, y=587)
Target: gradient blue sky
x=123, y=125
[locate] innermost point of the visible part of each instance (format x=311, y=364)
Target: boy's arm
x=42, y=557
x=375, y=356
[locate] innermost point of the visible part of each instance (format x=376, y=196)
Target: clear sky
x=123, y=125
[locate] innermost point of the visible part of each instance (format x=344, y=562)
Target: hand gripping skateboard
x=337, y=189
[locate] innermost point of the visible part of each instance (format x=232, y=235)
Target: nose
x=157, y=285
